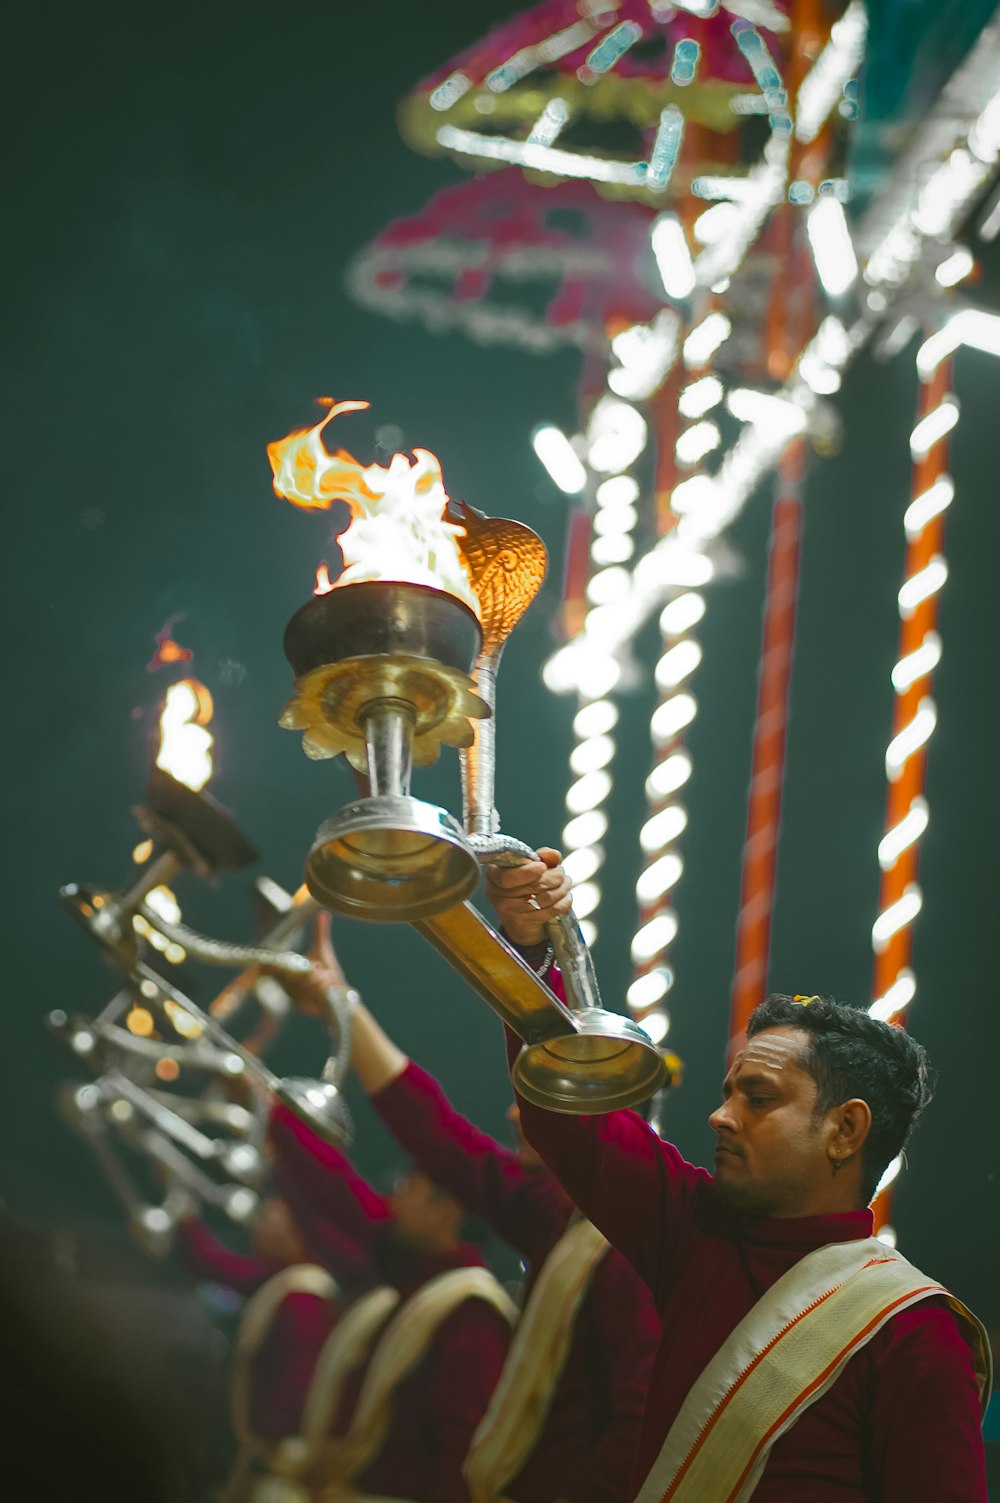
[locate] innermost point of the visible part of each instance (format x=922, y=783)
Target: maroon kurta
x=282, y=1369
x=901, y=1423
x=585, y=1451
x=207, y=1258
x=436, y=1407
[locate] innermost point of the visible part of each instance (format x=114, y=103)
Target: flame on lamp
x=397, y=529
x=324, y=584
x=185, y=745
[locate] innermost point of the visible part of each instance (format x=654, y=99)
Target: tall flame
x=397, y=529
x=185, y=745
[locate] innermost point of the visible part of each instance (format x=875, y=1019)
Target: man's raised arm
x=636, y=1189
x=341, y=1211
x=481, y=1173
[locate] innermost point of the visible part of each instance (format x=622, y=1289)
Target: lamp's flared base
x=607, y=1064
x=391, y=859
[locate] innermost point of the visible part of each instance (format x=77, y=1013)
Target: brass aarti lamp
x=382, y=675
x=387, y=672
x=188, y=829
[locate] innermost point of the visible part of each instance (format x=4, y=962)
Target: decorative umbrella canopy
x=615, y=81
x=509, y=264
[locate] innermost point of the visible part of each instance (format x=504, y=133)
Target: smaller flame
x=142, y=852
x=397, y=529
x=167, y=649
x=185, y=746
x=324, y=584
x=171, y=652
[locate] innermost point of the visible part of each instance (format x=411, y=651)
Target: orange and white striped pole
x=753, y=931
x=914, y=718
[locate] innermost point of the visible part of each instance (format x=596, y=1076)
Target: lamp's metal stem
x=154, y=874
x=115, y=1084
x=309, y=1098
x=233, y=996
x=221, y=952
x=493, y=849
x=116, y=913
x=213, y=1028
x=389, y=738
x=198, y=1056
x=479, y=761
x=236, y=1200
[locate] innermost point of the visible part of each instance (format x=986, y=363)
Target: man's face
x=771, y=1155
x=425, y=1215
x=527, y=1155
x=275, y=1234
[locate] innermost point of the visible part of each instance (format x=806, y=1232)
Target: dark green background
x=188, y=185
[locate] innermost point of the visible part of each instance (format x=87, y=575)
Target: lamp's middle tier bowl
x=382, y=618
x=361, y=646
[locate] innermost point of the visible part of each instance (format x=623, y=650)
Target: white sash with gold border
x=258, y=1316
x=403, y=1344
x=509, y=1429
x=291, y=1459
x=347, y=1345
x=786, y=1352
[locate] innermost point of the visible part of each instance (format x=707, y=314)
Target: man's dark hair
x=853, y=1055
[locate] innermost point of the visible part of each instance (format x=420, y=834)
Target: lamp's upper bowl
x=382, y=617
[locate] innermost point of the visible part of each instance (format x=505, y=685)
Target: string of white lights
x=587, y=823
x=592, y=757
x=616, y=435
x=618, y=599
x=725, y=231
x=951, y=160
x=710, y=504
x=661, y=864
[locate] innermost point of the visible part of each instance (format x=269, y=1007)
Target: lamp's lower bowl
x=607, y=1064
x=391, y=860
x=320, y=1105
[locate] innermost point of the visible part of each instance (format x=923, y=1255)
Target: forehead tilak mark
x=774, y=1053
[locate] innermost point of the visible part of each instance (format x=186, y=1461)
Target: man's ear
x=851, y=1123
